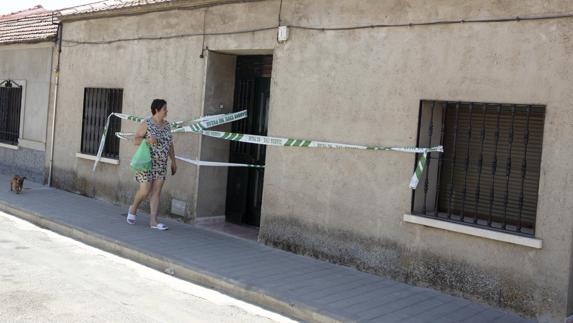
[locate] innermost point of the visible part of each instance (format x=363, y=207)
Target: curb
x=250, y=294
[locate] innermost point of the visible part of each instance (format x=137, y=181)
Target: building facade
x=490, y=219
x=27, y=56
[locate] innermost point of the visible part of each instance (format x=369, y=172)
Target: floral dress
x=159, y=151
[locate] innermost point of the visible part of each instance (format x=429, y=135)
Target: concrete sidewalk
x=297, y=286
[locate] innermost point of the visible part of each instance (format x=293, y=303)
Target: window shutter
x=507, y=138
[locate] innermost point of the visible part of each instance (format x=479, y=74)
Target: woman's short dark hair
x=156, y=105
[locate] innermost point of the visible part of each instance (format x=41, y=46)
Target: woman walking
x=157, y=132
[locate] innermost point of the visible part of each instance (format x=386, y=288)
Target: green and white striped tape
x=201, y=125
x=217, y=164
x=125, y=135
x=420, y=165
x=291, y=142
x=129, y=135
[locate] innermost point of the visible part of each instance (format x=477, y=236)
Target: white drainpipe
x=53, y=134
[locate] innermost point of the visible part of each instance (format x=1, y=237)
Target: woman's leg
x=156, y=187
x=142, y=193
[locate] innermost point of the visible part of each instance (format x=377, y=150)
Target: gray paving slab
x=484, y=316
x=394, y=305
x=336, y=291
x=361, y=297
x=408, y=313
x=294, y=279
x=300, y=281
x=326, y=295
x=435, y=314
x=354, y=293
x=375, y=299
x=463, y=314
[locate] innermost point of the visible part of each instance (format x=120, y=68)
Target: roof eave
x=29, y=41
x=147, y=8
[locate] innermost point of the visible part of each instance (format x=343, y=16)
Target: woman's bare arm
x=140, y=133
x=172, y=152
x=172, y=156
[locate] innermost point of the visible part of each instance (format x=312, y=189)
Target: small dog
x=17, y=183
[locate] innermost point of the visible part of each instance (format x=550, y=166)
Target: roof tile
x=30, y=25
x=108, y=5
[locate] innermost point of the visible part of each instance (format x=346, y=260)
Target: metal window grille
x=10, y=106
x=488, y=175
x=98, y=104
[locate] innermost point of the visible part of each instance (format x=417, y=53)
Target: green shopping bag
x=141, y=160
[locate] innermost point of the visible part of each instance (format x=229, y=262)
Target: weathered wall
x=358, y=86
x=32, y=64
x=170, y=69
x=364, y=86
x=24, y=162
x=219, y=90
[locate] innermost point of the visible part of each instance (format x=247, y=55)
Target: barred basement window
x=10, y=107
x=98, y=104
x=488, y=175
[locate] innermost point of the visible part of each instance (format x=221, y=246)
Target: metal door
x=245, y=185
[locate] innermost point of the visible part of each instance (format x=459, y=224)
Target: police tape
x=200, y=123
x=217, y=164
x=129, y=135
x=291, y=142
x=211, y=121
x=420, y=165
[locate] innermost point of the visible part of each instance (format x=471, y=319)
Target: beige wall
x=219, y=91
x=32, y=64
x=170, y=69
x=359, y=86
x=365, y=87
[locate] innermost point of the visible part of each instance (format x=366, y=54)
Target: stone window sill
x=31, y=144
x=13, y=147
x=473, y=231
x=102, y=160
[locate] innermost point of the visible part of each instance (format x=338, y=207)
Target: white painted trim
x=473, y=231
x=22, y=106
x=102, y=160
x=13, y=147
x=32, y=144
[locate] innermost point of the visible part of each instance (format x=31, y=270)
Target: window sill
x=13, y=147
x=473, y=231
x=31, y=144
x=102, y=160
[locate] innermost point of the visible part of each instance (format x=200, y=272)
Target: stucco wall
x=23, y=162
x=219, y=91
x=364, y=86
x=171, y=69
x=31, y=64
x=359, y=86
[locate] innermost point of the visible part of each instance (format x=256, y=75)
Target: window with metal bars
x=10, y=107
x=488, y=174
x=98, y=104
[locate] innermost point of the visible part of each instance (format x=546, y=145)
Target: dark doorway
x=245, y=185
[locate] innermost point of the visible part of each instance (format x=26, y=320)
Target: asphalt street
x=45, y=277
